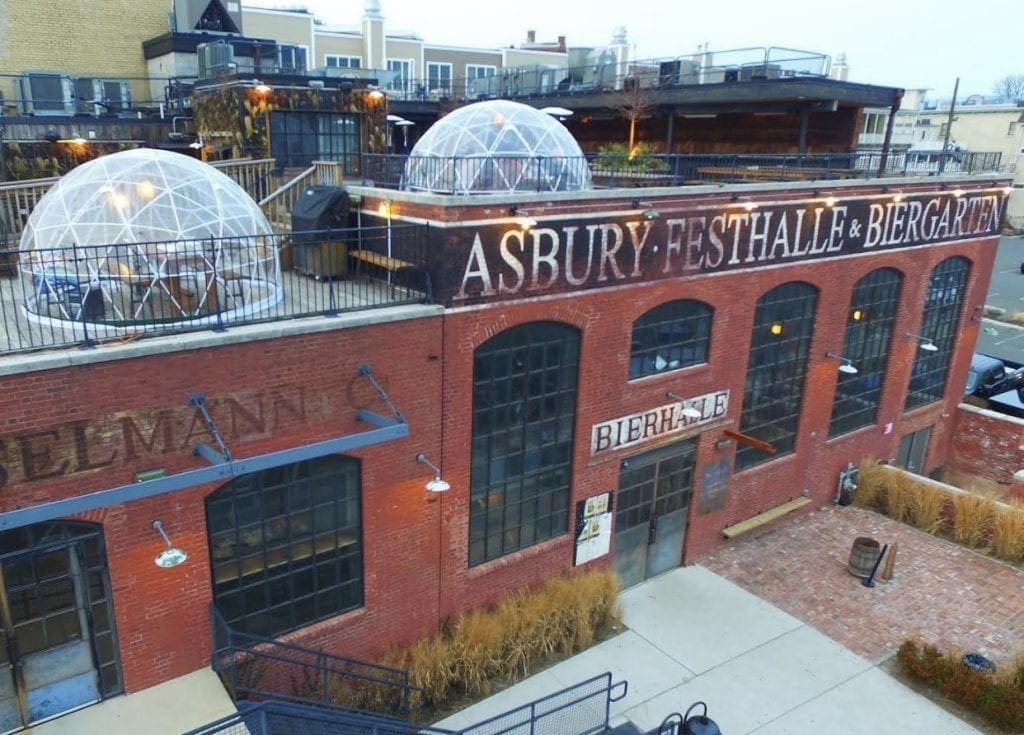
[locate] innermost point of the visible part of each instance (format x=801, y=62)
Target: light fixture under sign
x=687, y=409
x=154, y=474
x=171, y=556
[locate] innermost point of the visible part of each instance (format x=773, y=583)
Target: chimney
x=561, y=43
x=531, y=36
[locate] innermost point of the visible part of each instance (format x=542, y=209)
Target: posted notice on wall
x=593, y=528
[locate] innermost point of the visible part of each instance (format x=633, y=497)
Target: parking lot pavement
x=946, y=594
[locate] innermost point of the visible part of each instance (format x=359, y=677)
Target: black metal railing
x=476, y=175
x=87, y=294
x=280, y=718
x=256, y=669
x=598, y=73
x=581, y=709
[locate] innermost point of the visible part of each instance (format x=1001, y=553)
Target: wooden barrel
x=863, y=556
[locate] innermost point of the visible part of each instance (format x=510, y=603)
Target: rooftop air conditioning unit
x=214, y=59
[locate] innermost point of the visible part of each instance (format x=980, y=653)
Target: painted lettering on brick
x=638, y=428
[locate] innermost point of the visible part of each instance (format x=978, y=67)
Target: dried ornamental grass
x=502, y=644
x=998, y=698
x=927, y=503
x=899, y=492
x=1008, y=532
x=870, y=485
x=972, y=518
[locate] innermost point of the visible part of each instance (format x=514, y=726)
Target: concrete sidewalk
x=694, y=635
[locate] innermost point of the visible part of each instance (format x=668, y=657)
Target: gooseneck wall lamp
x=171, y=556
x=688, y=410
x=437, y=485
x=845, y=363
x=926, y=343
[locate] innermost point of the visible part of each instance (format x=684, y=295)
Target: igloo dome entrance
x=142, y=237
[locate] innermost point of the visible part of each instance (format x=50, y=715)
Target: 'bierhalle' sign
x=666, y=420
x=507, y=261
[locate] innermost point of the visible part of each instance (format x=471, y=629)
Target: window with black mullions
x=671, y=336
x=524, y=409
x=777, y=365
x=285, y=545
x=939, y=321
x=654, y=484
x=866, y=344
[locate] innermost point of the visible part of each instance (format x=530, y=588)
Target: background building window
x=478, y=71
x=938, y=323
x=285, y=546
x=868, y=332
x=439, y=77
x=773, y=395
x=291, y=58
x=402, y=69
x=337, y=61
x=669, y=337
x=524, y=409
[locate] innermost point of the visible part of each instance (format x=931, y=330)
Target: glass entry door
x=57, y=624
x=651, y=508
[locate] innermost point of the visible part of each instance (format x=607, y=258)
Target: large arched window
x=524, y=408
x=670, y=336
x=285, y=545
x=866, y=345
x=773, y=394
x=938, y=323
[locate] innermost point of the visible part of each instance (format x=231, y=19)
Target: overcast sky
x=900, y=43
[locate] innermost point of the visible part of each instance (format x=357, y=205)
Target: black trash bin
x=318, y=219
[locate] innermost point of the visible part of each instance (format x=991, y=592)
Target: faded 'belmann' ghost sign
x=507, y=261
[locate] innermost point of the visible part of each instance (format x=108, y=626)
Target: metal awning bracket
x=211, y=455
x=366, y=371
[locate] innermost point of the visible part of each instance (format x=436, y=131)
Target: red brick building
x=613, y=383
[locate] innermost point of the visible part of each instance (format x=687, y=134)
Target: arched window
x=524, y=408
x=866, y=344
x=942, y=308
x=285, y=545
x=773, y=394
x=671, y=336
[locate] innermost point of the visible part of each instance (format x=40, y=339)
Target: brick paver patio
x=946, y=594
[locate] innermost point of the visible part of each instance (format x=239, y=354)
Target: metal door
x=53, y=598
x=913, y=449
x=651, y=509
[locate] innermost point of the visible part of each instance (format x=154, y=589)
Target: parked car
x=990, y=376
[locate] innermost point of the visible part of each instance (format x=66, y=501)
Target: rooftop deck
x=121, y=293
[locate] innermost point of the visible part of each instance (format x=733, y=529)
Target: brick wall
x=986, y=449
x=162, y=613
x=79, y=37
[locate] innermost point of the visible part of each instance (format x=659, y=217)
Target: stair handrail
x=233, y=649
x=280, y=202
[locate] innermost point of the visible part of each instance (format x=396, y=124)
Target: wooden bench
x=760, y=519
x=378, y=260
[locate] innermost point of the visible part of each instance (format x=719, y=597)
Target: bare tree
x=633, y=102
x=1010, y=87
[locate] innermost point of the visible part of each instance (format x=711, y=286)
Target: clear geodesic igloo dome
x=146, y=236
x=496, y=146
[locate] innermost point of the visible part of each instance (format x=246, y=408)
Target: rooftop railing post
x=83, y=296
x=211, y=286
